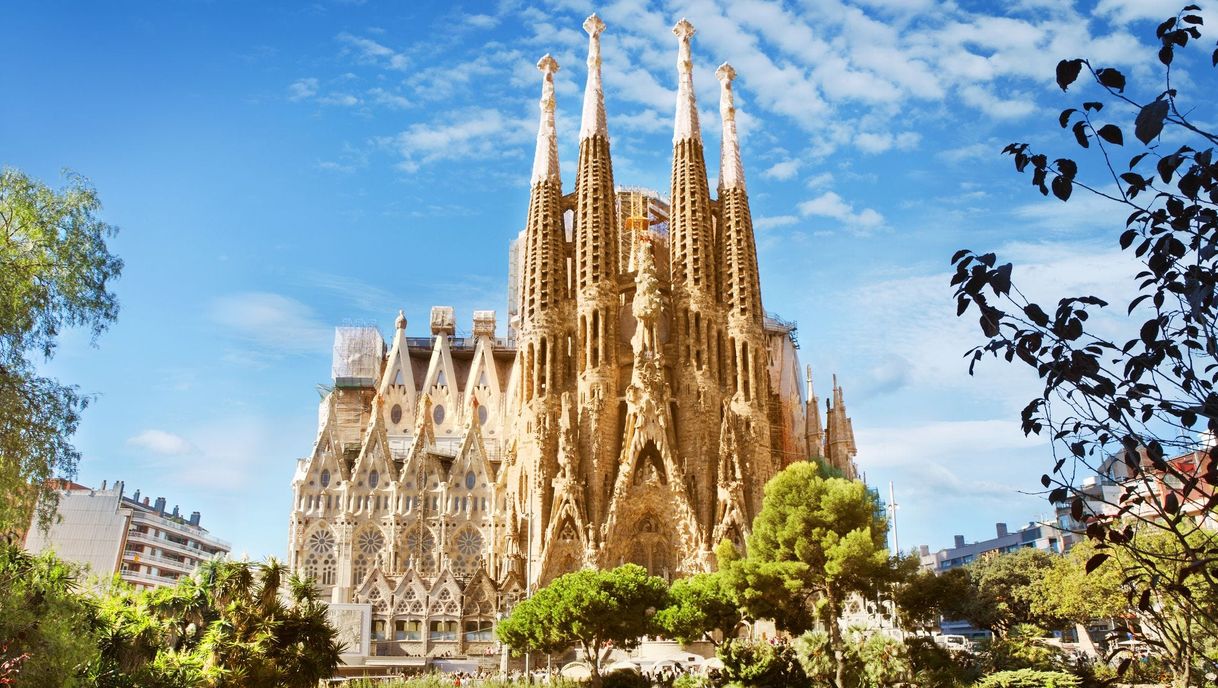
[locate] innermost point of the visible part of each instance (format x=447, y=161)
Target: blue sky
x=279, y=168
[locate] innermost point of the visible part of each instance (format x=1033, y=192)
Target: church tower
x=543, y=363
x=696, y=317
x=596, y=290
x=749, y=388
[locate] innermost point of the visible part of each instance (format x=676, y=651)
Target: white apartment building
x=109, y=532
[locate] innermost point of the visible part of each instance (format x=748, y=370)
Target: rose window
x=370, y=542
x=321, y=542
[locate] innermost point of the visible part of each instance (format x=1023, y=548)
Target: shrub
x=1030, y=678
x=761, y=665
x=691, y=681
x=936, y=667
x=624, y=678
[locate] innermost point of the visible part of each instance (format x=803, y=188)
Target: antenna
x=892, y=510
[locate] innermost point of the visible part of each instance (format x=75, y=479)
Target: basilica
x=636, y=407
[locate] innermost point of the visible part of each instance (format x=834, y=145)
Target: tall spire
x=686, y=124
x=545, y=160
x=544, y=278
x=731, y=171
x=594, y=95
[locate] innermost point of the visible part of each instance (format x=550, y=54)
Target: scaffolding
x=358, y=353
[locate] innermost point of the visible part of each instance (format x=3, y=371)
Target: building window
x=470, y=480
x=395, y=414
x=373, y=478
x=437, y=414
x=483, y=415
x=325, y=478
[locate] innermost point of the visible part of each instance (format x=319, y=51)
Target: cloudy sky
x=281, y=168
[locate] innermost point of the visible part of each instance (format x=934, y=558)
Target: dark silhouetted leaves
x=1150, y=121
x=1080, y=134
x=1067, y=72
x=1112, y=134
x=1111, y=78
x=1062, y=188
x=1096, y=561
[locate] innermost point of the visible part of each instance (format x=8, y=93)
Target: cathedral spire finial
x=545, y=160
x=686, y=125
x=731, y=170
x=594, y=95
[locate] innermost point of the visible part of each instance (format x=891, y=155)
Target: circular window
x=373, y=478
x=370, y=542
x=437, y=414
x=469, y=543
x=470, y=480
x=483, y=414
x=395, y=414
x=325, y=478
x=321, y=542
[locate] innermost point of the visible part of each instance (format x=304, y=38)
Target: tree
x=1068, y=592
x=230, y=624
x=1006, y=586
x=589, y=609
x=700, y=605
x=45, y=619
x=1136, y=400
x=815, y=542
x=923, y=597
x=55, y=272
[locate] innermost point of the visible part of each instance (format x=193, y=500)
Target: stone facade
x=634, y=413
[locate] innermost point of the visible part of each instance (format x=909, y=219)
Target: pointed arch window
x=325, y=478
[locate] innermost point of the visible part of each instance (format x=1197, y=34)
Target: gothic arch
x=320, y=555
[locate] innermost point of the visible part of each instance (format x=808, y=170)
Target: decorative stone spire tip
x=400, y=323
x=593, y=120
x=686, y=124
x=545, y=160
x=731, y=169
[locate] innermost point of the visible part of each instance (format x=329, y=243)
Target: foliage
x=43, y=617
x=815, y=541
x=871, y=660
x=759, y=664
x=1029, y=678
x=700, y=605
x=624, y=678
x=587, y=608
x=1005, y=589
x=1023, y=648
x=55, y=272
x=691, y=681
x=1131, y=403
x=1066, y=591
x=932, y=666
x=922, y=597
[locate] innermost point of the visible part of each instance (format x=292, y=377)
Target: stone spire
x=593, y=122
x=731, y=171
x=544, y=278
x=691, y=254
x=840, y=448
x=741, y=284
x=686, y=123
x=597, y=302
x=545, y=160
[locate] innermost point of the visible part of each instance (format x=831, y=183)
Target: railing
x=145, y=557
x=462, y=343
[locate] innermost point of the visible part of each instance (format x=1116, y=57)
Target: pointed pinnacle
x=725, y=73
x=593, y=25
x=547, y=64
x=684, y=30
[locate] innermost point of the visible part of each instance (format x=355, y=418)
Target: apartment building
x=139, y=538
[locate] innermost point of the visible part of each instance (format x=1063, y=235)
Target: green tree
x=1006, y=587
x=589, y=609
x=701, y=604
x=1066, y=591
x=43, y=616
x=55, y=272
x=1133, y=395
x=758, y=664
x=231, y=624
x=816, y=541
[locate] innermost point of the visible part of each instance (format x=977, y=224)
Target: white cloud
x=381, y=96
x=370, y=51
x=302, y=89
x=831, y=205
x=482, y=21
x=764, y=223
x=819, y=181
x=782, y=171
x=271, y=323
x=476, y=132
x=161, y=442
x=878, y=142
